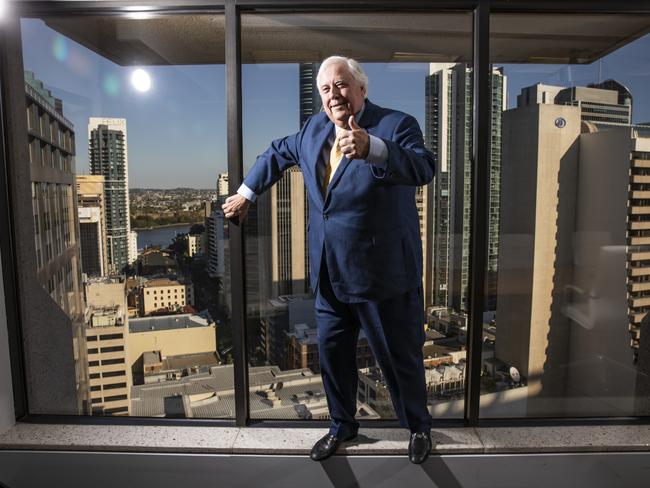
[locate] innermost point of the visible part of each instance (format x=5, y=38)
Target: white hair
x=354, y=68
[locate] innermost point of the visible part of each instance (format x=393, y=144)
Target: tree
x=197, y=229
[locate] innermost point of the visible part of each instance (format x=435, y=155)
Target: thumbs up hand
x=354, y=143
x=352, y=124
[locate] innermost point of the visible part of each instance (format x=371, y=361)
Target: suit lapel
x=366, y=118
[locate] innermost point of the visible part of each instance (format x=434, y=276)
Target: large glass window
x=567, y=280
x=125, y=121
x=126, y=135
x=416, y=63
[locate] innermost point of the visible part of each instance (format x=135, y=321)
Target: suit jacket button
x=325, y=216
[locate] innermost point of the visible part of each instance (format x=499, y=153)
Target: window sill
x=372, y=441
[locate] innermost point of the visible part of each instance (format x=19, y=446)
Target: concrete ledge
x=282, y=441
x=119, y=438
x=565, y=439
x=370, y=441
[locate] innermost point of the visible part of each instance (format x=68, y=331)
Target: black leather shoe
x=326, y=446
x=419, y=447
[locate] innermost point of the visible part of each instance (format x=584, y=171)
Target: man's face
x=341, y=94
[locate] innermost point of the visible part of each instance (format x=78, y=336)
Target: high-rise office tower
x=572, y=262
x=108, y=156
x=611, y=268
x=424, y=199
x=216, y=239
x=289, y=254
x=289, y=214
x=310, y=102
x=608, y=102
x=435, y=217
x=539, y=183
x=51, y=145
x=448, y=133
x=90, y=197
x=499, y=89
x=257, y=262
x=90, y=237
x=597, y=104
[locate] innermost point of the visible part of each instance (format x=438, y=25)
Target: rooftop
x=168, y=322
x=292, y=394
x=435, y=350
x=103, y=316
x=284, y=300
x=106, y=280
x=432, y=335
x=162, y=282
x=183, y=361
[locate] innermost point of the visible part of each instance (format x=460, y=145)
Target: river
x=160, y=236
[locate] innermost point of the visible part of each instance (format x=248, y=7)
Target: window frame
x=14, y=286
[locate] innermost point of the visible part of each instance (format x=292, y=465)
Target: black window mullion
x=9, y=36
x=479, y=212
x=236, y=232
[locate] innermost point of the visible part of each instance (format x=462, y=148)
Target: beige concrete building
x=289, y=217
x=195, y=244
x=90, y=237
x=105, y=292
x=50, y=142
x=611, y=285
x=110, y=380
x=106, y=326
x=90, y=194
x=574, y=267
x=539, y=181
x=165, y=294
x=608, y=102
x=222, y=187
x=169, y=335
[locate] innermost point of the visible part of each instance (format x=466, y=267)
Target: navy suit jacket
x=368, y=224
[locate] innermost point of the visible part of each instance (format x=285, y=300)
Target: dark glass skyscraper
x=107, y=149
x=448, y=134
x=310, y=102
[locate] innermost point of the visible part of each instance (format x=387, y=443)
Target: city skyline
x=186, y=106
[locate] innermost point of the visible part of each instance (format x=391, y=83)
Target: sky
x=176, y=131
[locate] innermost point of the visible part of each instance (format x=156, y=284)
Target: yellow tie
x=335, y=158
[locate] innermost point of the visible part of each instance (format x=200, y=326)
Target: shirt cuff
x=377, y=152
x=247, y=193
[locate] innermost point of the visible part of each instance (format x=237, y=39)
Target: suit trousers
x=394, y=328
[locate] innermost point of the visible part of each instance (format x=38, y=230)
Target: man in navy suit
x=361, y=164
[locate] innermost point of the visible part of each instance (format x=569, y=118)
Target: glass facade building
x=108, y=158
